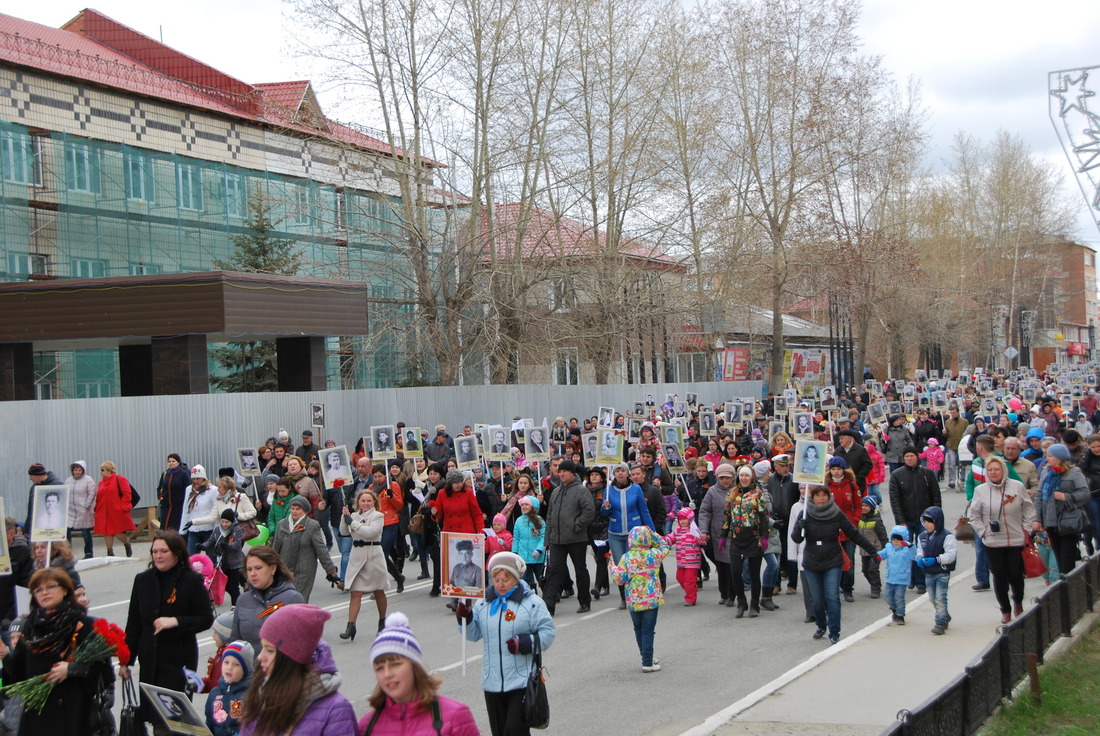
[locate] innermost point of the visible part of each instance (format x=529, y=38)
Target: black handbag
x=129, y=721
x=101, y=720
x=1072, y=519
x=536, y=703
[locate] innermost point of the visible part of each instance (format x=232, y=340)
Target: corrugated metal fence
x=137, y=433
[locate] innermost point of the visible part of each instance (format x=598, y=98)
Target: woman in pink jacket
x=407, y=698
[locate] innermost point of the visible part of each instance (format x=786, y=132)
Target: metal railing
x=963, y=705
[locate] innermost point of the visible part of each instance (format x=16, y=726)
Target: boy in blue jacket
x=899, y=557
x=226, y=700
x=936, y=553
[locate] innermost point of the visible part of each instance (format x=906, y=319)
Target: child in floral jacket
x=639, y=571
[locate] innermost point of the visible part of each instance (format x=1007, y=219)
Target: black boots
x=349, y=632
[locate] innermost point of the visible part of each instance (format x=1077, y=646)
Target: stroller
x=212, y=576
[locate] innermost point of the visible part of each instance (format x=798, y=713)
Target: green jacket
x=972, y=482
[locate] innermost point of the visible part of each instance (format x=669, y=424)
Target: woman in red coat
x=841, y=482
x=112, y=508
x=455, y=509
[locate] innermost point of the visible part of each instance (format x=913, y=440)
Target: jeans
x=619, y=545
x=532, y=574
x=771, y=572
x=873, y=490
x=824, y=587
x=848, y=577
x=196, y=540
x=894, y=595
x=645, y=622
x=418, y=548
x=87, y=534
x=344, y=545
x=951, y=458
x=937, y=591
x=1093, y=510
x=981, y=561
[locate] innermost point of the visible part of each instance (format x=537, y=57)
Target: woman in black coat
x=56, y=626
x=171, y=491
x=169, y=606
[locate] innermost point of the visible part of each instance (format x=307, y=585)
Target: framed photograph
x=335, y=465
x=463, y=565
x=963, y=379
x=779, y=407
x=1066, y=402
x=175, y=711
x=989, y=406
x=907, y=407
x=317, y=415
x=466, y=452
x=827, y=398
x=680, y=408
x=669, y=398
x=924, y=400
x=775, y=428
x=383, y=444
x=537, y=443
x=589, y=442
x=412, y=445
x=910, y=391
x=692, y=400
x=498, y=449
x=670, y=434
x=639, y=409
x=790, y=395
x=895, y=407
x=674, y=458
x=921, y=375
x=934, y=374
x=605, y=417
x=51, y=508
x=809, y=461
x=635, y=424
x=733, y=412
x=876, y=414
x=707, y=424
x=650, y=401
x=249, y=464
x=609, y=448
x=802, y=425
x=939, y=400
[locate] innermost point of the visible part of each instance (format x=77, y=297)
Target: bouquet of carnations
x=107, y=640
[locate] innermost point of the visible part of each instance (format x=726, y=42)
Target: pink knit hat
x=500, y=518
x=295, y=630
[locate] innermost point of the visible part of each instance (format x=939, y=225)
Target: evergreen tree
x=250, y=366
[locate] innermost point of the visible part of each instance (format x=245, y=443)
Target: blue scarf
x=500, y=603
x=1050, y=484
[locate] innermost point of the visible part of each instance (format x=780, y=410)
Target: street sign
x=1011, y=353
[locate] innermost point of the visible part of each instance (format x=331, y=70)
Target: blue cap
x=1036, y=432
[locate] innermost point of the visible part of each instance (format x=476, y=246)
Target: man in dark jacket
x=859, y=462
x=784, y=493
x=568, y=517
x=39, y=477
x=912, y=490
x=19, y=554
x=307, y=451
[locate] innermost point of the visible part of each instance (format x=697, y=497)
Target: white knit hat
x=397, y=638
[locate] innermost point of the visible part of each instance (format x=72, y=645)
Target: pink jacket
x=688, y=548
x=406, y=719
x=878, y=466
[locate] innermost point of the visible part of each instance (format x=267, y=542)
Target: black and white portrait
x=921, y=375
x=499, y=447
x=639, y=408
x=537, y=443
x=827, y=397
x=610, y=445
x=809, y=462
x=411, y=443
x=707, y=424
x=383, y=444
x=670, y=434
x=317, y=415
x=651, y=401
x=463, y=564
x=605, y=417
x=876, y=414
x=733, y=412
x=802, y=425
x=249, y=464
x=51, y=505
x=680, y=409
x=589, y=440
x=779, y=407
x=692, y=400
x=175, y=710
x=775, y=428
x=895, y=407
x=635, y=428
x=466, y=452
x=335, y=465
x=791, y=396
x=989, y=406
x=674, y=459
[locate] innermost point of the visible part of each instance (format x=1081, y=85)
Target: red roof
x=94, y=48
x=546, y=235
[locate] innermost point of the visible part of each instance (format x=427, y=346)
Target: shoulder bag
x=1033, y=562
x=129, y=721
x=1071, y=519
x=249, y=530
x=536, y=703
x=964, y=532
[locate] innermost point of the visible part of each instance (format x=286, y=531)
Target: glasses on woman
x=45, y=588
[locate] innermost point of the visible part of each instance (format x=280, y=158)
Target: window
x=92, y=390
x=89, y=268
x=565, y=366
x=563, y=294
x=340, y=209
x=139, y=177
x=81, y=168
x=234, y=195
x=708, y=283
x=140, y=269
x=692, y=367
x=20, y=158
x=26, y=264
x=188, y=187
x=303, y=210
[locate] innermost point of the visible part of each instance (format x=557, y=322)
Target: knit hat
x=295, y=630
x=300, y=501
x=685, y=513
x=508, y=561
x=243, y=652
x=761, y=468
x=1059, y=451
x=284, y=436
x=37, y=469
x=223, y=626
x=453, y=476
x=229, y=515
x=909, y=449
x=871, y=503
x=837, y=462
x=933, y=441
x=725, y=469
x=198, y=472
x=500, y=519
x=568, y=466
x=397, y=638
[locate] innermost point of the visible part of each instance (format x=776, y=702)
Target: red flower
x=509, y=615
x=338, y=482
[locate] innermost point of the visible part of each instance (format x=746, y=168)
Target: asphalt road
x=708, y=658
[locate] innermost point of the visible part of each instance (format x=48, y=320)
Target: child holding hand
x=685, y=538
x=899, y=558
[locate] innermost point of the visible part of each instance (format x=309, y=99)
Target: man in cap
x=307, y=451
x=851, y=449
x=439, y=450
x=39, y=476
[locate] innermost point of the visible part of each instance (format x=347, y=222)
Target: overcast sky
x=982, y=65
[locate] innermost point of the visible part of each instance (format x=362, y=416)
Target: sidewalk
x=857, y=686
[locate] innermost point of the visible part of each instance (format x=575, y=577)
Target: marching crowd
x=1030, y=472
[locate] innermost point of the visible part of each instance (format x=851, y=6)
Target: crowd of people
x=714, y=496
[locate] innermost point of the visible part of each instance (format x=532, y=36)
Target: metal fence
x=963, y=705
x=137, y=433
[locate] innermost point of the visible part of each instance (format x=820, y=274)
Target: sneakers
x=899, y=620
x=874, y=594
x=809, y=620
x=980, y=586
x=939, y=629
x=754, y=611
x=655, y=667
x=834, y=638
x=849, y=598
x=921, y=590
x=819, y=634
x=791, y=591
x=423, y=576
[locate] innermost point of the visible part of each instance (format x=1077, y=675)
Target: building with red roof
x=120, y=156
